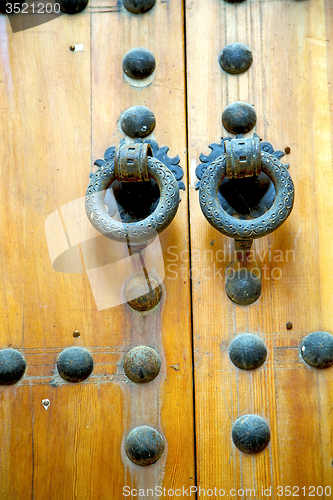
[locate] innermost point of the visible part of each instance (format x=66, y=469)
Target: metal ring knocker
x=247, y=229
x=132, y=163
x=243, y=158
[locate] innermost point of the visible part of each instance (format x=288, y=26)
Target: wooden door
x=289, y=84
x=60, y=111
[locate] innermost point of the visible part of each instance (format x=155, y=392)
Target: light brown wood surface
x=289, y=84
x=59, y=113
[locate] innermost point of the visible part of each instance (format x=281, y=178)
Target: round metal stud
x=239, y=117
x=144, y=445
x=139, y=63
x=251, y=434
x=248, y=351
x=142, y=364
x=12, y=366
x=139, y=6
x=235, y=58
x=75, y=364
x=73, y=6
x=142, y=295
x=317, y=349
x=138, y=121
x=243, y=287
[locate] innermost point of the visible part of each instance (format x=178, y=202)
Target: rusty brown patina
x=143, y=293
x=144, y=445
x=142, y=364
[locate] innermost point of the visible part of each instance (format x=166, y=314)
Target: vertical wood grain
x=289, y=86
x=59, y=113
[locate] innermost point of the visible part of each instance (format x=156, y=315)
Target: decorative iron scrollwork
x=219, y=149
x=158, y=153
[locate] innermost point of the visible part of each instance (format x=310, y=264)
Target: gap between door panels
x=190, y=246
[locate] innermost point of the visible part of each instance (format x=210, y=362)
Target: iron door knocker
x=244, y=158
x=142, y=202
x=131, y=163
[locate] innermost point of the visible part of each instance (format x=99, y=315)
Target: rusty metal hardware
x=75, y=364
x=250, y=196
x=243, y=158
x=237, y=164
x=251, y=434
x=239, y=117
x=139, y=6
x=144, y=229
x=317, y=349
x=137, y=121
x=248, y=351
x=131, y=162
x=144, y=445
x=243, y=286
x=139, y=63
x=235, y=58
x=73, y=6
x=142, y=294
x=142, y=364
x=12, y=366
x=246, y=230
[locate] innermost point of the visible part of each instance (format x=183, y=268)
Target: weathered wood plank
x=60, y=112
x=289, y=85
